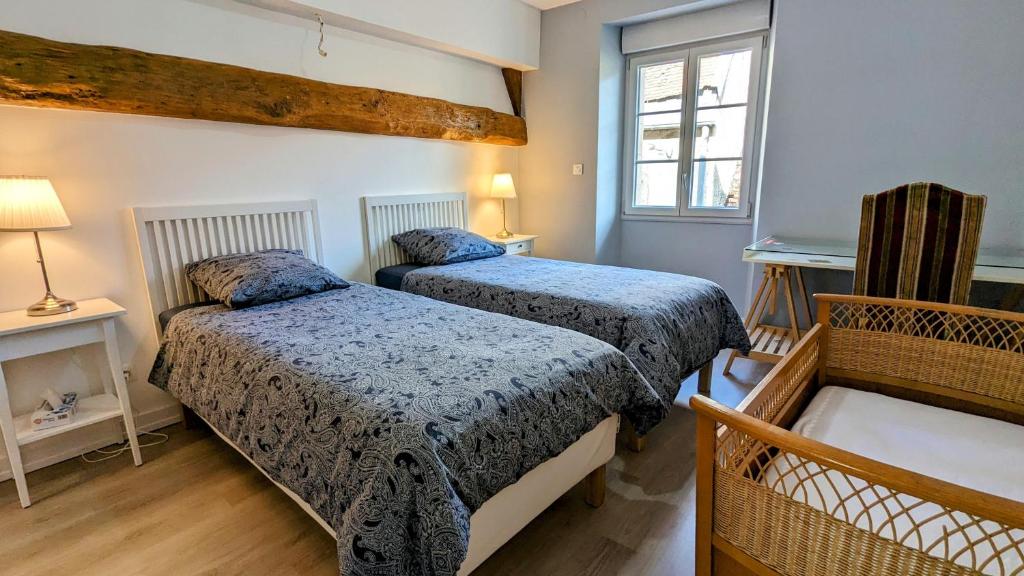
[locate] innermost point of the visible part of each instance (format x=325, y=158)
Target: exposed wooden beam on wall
x=514, y=85
x=49, y=74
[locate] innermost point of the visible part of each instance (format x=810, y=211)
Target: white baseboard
x=92, y=437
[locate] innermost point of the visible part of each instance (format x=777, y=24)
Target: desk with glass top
x=783, y=258
x=1004, y=265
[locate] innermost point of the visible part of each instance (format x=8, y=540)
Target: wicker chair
x=958, y=357
x=918, y=242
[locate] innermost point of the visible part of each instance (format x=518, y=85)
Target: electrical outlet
x=577, y=169
x=127, y=371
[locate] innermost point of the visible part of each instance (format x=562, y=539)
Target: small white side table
x=518, y=244
x=22, y=335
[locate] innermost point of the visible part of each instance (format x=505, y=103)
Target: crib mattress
x=968, y=450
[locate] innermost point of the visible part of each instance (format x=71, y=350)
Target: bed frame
x=385, y=216
x=172, y=236
x=957, y=357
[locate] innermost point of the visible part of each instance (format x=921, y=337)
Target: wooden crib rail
x=918, y=305
x=736, y=512
x=778, y=398
x=964, y=355
x=918, y=485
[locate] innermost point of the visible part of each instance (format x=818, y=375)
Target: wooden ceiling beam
x=49, y=74
x=514, y=85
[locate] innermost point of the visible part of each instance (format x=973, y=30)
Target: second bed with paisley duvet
x=668, y=325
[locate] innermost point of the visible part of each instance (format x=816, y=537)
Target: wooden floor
x=197, y=507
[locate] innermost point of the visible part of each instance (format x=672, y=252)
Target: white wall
x=501, y=32
x=574, y=112
x=562, y=102
x=102, y=164
x=866, y=95
x=560, y=105
x=871, y=94
x=608, y=169
x=710, y=251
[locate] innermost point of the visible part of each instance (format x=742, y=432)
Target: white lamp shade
x=30, y=203
x=502, y=186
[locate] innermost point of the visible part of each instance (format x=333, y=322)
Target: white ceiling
x=546, y=4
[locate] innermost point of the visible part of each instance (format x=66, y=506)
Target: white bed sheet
x=968, y=450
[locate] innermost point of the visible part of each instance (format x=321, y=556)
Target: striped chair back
x=918, y=242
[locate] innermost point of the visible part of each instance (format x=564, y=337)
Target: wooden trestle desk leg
x=805, y=296
x=770, y=343
x=748, y=322
x=794, y=321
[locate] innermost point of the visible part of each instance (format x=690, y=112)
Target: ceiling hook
x=320, y=45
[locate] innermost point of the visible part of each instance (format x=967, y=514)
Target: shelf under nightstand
x=91, y=410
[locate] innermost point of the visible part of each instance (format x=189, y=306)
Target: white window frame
x=690, y=54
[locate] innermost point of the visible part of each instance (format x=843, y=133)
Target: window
x=691, y=117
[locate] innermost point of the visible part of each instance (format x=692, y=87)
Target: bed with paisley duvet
x=668, y=325
x=420, y=434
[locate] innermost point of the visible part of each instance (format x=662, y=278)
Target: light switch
x=577, y=169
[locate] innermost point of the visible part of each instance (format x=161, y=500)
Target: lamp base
x=51, y=305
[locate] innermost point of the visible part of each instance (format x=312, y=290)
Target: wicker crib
x=957, y=357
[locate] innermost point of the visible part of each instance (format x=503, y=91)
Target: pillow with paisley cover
x=435, y=246
x=254, y=278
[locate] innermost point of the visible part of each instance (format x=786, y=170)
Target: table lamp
x=503, y=187
x=30, y=204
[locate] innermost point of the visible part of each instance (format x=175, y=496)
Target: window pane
x=719, y=132
x=724, y=79
x=716, y=183
x=659, y=136
x=661, y=87
x=656, y=184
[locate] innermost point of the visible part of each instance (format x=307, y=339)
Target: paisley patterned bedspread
x=394, y=416
x=668, y=325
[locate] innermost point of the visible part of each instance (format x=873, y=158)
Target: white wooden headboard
x=384, y=216
x=172, y=236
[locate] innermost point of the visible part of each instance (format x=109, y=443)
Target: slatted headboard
x=172, y=236
x=384, y=216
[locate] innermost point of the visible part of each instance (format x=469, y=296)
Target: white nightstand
x=22, y=335
x=518, y=244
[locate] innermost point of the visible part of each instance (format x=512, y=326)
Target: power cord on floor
x=109, y=453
